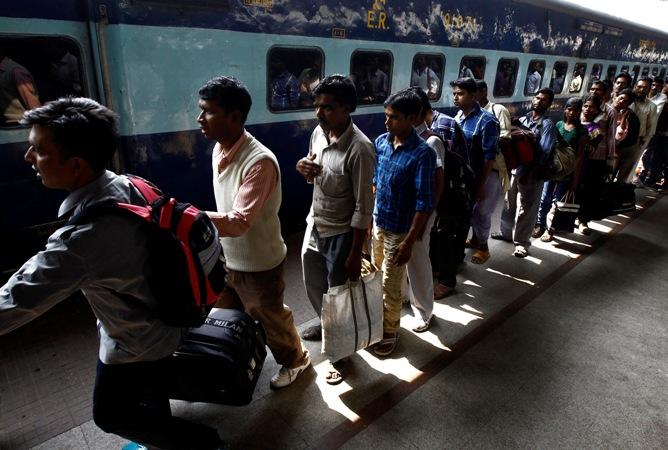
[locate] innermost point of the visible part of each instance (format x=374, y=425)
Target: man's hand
x=402, y=254
x=308, y=168
x=353, y=266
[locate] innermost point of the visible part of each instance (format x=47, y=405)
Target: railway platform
x=567, y=348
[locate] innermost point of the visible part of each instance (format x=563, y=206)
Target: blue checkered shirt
x=404, y=179
x=481, y=130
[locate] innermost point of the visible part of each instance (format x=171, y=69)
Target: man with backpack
x=106, y=257
x=247, y=188
x=526, y=183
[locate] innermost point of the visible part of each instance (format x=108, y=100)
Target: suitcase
x=220, y=361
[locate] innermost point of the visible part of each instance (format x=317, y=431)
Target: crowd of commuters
x=422, y=193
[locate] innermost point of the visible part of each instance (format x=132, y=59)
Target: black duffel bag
x=221, y=361
x=614, y=197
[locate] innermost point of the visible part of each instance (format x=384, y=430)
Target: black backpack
x=184, y=253
x=459, y=184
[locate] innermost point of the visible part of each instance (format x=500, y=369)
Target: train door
x=34, y=69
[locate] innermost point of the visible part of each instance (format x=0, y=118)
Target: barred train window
x=293, y=74
x=371, y=71
x=506, y=75
x=472, y=67
x=595, y=75
x=559, y=72
x=578, y=77
x=534, y=76
x=645, y=72
x=611, y=73
x=635, y=73
x=427, y=73
x=38, y=70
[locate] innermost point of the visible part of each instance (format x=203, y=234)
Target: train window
x=534, y=76
x=428, y=73
x=473, y=67
x=293, y=73
x=662, y=74
x=506, y=75
x=37, y=70
x=611, y=73
x=558, y=76
x=595, y=75
x=371, y=72
x=578, y=78
x=625, y=69
x=635, y=73
x=645, y=72
x=655, y=71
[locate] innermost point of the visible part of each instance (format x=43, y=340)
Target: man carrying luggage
x=340, y=164
x=247, y=188
x=71, y=141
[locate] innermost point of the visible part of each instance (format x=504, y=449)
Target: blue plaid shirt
x=481, y=130
x=404, y=179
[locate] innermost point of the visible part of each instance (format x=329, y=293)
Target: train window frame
x=573, y=76
x=477, y=57
x=526, y=77
x=353, y=55
x=268, y=66
x=441, y=78
x=566, y=65
x=495, y=89
x=40, y=40
x=654, y=71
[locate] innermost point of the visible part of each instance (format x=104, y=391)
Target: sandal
x=471, y=243
x=547, y=237
x=335, y=373
x=480, y=256
x=386, y=345
x=442, y=291
x=521, y=251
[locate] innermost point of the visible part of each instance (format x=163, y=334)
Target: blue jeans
x=552, y=190
x=132, y=401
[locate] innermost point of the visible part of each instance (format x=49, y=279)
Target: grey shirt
x=342, y=194
x=101, y=258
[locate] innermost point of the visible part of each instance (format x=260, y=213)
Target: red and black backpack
x=187, y=270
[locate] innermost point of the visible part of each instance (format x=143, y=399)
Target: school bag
x=521, y=149
x=184, y=253
x=220, y=361
x=459, y=183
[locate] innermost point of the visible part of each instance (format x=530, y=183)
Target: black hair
x=658, y=80
x=629, y=92
x=546, y=91
x=480, y=85
x=406, y=102
x=647, y=80
x=468, y=84
x=80, y=127
x=340, y=87
x=574, y=102
x=607, y=85
x=424, y=99
x=228, y=93
x=595, y=82
x=626, y=76
x=592, y=98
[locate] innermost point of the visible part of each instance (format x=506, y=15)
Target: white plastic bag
x=352, y=316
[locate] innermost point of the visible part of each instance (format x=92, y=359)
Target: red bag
x=521, y=149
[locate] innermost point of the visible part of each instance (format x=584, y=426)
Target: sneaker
x=424, y=325
x=286, y=376
x=584, y=228
x=538, y=231
x=313, y=333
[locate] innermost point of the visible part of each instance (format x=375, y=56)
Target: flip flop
x=333, y=377
x=480, y=256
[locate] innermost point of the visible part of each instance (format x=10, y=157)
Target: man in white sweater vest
x=247, y=188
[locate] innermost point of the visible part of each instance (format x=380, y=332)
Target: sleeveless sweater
x=261, y=247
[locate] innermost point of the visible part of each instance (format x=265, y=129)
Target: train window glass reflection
x=595, y=74
x=371, y=72
x=578, y=78
x=473, y=67
x=427, y=73
x=506, y=75
x=534, y=76
x=36, y=70
x=611, y=73
x=558, y=76
x=293, y=74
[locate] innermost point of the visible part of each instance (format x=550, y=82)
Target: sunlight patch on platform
x=331, y=395
x=529, y=282
x=547, y=246
x=399, y=367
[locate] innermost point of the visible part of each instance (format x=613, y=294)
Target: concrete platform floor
x=567, y=348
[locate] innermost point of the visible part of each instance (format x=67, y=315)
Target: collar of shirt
x=460, y=117
x=409, y=144
x=530, y=122
x=343, y=141
x=421, y=128
x=226, y=158
x=84, y=193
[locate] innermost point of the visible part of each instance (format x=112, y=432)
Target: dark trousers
x=657, y=159
x=132, y=401
x=593, y=175
x=448, y=239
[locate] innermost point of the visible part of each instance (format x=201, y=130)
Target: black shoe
x=499, y=237
x=538, y=231
x=313, y=333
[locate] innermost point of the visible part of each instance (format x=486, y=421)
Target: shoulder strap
x=147, y=189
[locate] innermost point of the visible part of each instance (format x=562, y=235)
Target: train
x=146, y=59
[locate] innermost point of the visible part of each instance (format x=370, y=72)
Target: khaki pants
x=385, y=244
x=261, y=295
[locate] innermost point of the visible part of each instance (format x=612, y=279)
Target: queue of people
x=417, y=192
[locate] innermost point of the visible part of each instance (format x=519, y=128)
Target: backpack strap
x=147, y=189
